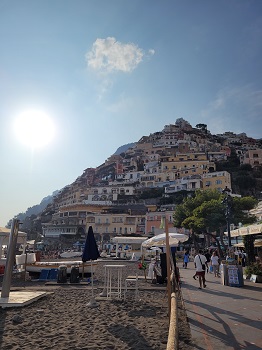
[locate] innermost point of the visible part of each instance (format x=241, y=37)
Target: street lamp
x=228, y=203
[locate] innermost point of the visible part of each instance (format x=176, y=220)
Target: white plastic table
x=117, y=271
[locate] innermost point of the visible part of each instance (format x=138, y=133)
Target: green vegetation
x=205, y=213
x=253, y=269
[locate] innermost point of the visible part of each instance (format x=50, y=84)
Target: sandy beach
x=62, y=319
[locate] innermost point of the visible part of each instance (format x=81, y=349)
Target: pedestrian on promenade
x=186, y=259
x=208, y=257
x=215, y=263
x=200, y=262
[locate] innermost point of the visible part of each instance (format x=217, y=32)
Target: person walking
x=208, y=257
x=200, y=262
x=215, y=263
x=186, y=259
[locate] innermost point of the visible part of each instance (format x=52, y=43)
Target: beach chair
x=129, y=282
x=44, y=274
x=52, y=274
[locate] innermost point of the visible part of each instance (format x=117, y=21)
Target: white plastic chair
x=128, y=283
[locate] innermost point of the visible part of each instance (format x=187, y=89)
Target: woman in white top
x=215, y=263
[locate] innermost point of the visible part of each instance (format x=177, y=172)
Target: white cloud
x=151, y=52
x=108, y=55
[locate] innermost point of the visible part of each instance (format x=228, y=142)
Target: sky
x=79, y=78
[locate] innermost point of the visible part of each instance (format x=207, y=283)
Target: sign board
x=233, y=275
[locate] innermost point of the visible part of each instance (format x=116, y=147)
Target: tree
x=202, y=127
x=205, y=213
x=248, y=241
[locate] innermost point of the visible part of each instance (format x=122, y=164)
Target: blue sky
x=108, y=72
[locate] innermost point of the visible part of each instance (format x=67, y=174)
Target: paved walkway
x=222, y=317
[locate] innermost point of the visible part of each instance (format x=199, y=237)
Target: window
x=218, y=182
x=208, y=183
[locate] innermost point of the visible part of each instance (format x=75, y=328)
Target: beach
x=63, y=320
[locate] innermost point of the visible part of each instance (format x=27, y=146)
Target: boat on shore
x=70, y=254
x=38, y=266
x=28, y=263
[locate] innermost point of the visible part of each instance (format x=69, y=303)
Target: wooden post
x=10, y=259
x=168, y=266
x=25, y=268
x=172, y=343
x=142, y=262
x=83, y=271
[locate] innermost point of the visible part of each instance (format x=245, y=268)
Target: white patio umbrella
x=156, y=249
x=160, y=240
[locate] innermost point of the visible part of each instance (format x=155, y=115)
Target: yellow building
x=217, y=180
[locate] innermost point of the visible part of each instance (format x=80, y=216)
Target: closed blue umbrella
x=90, y=253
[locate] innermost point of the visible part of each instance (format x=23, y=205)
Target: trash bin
x=74, y=276
x=62, y=274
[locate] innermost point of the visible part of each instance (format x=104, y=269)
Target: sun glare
x=34, y=128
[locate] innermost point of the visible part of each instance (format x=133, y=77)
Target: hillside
x=225, y=151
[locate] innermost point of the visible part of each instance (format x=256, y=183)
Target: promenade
x=222, y=317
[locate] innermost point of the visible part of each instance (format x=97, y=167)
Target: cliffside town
x=127, y=194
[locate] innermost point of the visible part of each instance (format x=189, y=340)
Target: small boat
x=29, y=263
x=37, y=266
x=71, y=254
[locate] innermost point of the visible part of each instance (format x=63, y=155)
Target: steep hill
x=180, y=137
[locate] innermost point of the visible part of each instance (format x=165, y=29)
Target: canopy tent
x=160, y=240
x=247, y=230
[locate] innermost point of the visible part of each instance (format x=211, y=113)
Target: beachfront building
x=153, y=221
x=72, y=222
x=119, y=222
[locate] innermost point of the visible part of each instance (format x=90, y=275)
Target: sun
x=34, y=128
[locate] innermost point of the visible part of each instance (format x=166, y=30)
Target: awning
x=247, y=230
x=257, y=243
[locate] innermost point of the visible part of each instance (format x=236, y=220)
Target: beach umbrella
x=90, y=253
x=155, y=249
x=160, y=240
